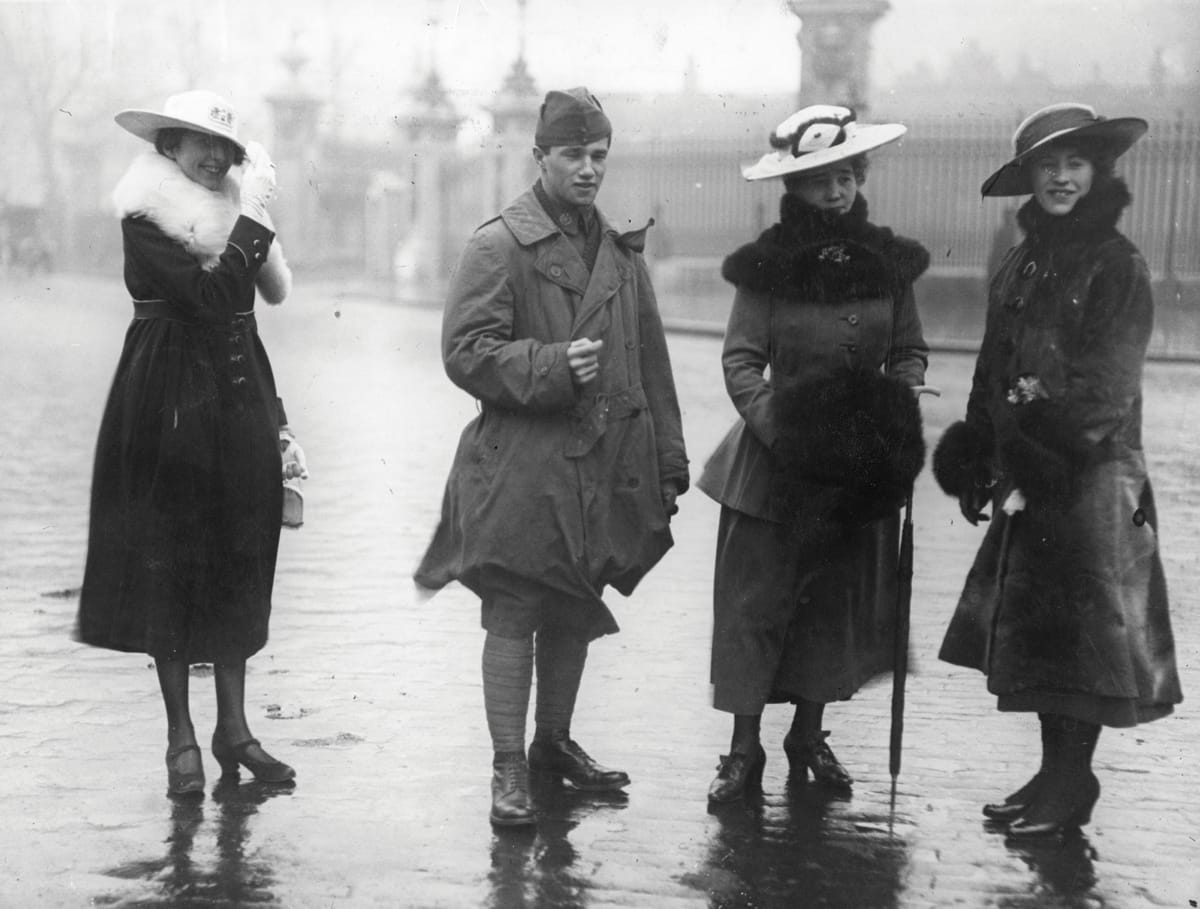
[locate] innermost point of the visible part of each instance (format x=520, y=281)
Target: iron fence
x=926, y=187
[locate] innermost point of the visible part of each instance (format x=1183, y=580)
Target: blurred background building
x=387, y=163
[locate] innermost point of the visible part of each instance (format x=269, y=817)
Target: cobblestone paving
x=374, y=694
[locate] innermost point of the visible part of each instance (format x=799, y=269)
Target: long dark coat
x=821, y=309
x=186, y=492
x=554, y=483
x=1065, y=607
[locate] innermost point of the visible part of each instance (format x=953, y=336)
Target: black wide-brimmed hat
x=1057, y=123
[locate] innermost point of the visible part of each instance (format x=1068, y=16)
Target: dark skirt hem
x=1120, y=713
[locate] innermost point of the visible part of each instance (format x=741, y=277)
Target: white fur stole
x=198, y=219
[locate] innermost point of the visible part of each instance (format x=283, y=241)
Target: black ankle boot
x=556, y=753
x=737, y=774
x=510, y=790
x=1017, y=803
x=1068, y=790
x=1064, y=804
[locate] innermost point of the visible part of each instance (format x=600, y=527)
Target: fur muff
x=847, y=451
x=1038, y=454
x=961, y=459
x=198, y=219
x=809, y=257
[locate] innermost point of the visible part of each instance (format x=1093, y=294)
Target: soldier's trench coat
x=556, y=483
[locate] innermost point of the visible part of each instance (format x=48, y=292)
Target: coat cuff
x=252, y=240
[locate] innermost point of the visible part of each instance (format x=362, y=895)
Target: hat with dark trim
x=571, y=117
x=1057, y=123
x=817, y=136
x=201, y=111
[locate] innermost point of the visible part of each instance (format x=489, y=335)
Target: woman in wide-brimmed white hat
x=187, y=490
x=1065, y=607
x=823, y=358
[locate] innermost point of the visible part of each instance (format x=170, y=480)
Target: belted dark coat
x=556, y=483
x=1065, y=607
x=187, y=488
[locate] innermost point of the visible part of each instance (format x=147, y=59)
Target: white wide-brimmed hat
x=817, y=136
x=1058, y=122
x=202, y=111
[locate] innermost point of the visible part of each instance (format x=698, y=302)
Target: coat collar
x=197, y=218
x=530, y=224
x=808, y=257
x=1094, y=216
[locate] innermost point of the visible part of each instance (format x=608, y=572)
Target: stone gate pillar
x=429, y=127
x=835, y=50
x=514, y=120
x=295, y=149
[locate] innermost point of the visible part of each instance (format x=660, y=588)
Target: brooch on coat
x=1025, y=389
x=836, y=254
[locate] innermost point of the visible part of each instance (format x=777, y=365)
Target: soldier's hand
x=584, y=360
x=670, y=492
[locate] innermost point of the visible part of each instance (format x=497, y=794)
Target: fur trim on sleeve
x=274, y=281
x=961, y=459
x=848, y=450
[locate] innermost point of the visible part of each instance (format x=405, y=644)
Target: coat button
x=853, y=320
x=239, y=380
x=556, y=271
x=1030, y=269
x=853, y=348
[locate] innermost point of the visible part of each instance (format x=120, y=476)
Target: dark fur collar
x=811, y=257
x=1094, y=216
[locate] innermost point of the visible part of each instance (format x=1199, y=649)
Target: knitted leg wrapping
x=507, y=678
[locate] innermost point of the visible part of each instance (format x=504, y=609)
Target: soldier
x=565, y=482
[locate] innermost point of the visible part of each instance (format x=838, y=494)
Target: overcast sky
x=644, y=46
x=750, y=45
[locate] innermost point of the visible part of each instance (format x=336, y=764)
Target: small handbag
x=293, y=503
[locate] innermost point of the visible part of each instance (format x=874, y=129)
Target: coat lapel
x=610, y=272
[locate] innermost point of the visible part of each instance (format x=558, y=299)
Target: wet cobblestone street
x=374, y=694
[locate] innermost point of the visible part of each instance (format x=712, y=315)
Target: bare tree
x=45, y=57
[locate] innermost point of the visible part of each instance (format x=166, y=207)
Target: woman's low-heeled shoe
x=182, y=784
x=737, y=774
x=1016, y=804
x=265, y=771
x=1056, y=812
x=815, y=754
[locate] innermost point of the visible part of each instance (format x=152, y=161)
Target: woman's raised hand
x=258, y=183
